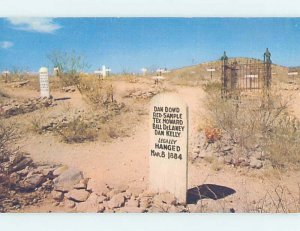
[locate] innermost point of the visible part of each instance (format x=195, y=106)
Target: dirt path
x=124, y=161
x=109, y=162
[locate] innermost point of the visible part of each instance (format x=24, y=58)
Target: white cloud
x=42, y=25
x=6, y=44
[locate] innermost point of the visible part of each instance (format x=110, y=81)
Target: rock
x=147, y=193
x=47, y=172
x=176, y=209
x=120, y=187
x=69, y=89
x=14, y=178
x=60, y=170
x=245, y=163
x=98, y=187
x=135, y=191
x=193, y=208
x=105, y=204
x=24, y=171
x=108, y=210
x=57, y=196
x=127, y=195
x=22, y=164
x=258, y=155
x=70, y=204
x=82, y=184
x=55, y=203
x=116, y=201
x=254, y=163
x=48, y=184
x=101, y=208
x=228, y=160
x=131, y=210
x=113, y=192
x=155, y=209
x=166, y=198
x=132, y=203
x=145, y=202
x=101, y=199
x=67, y=179
x=14, y=159
x=78, y=195
x=226, y=148
x=32, y=181
x=91, y=205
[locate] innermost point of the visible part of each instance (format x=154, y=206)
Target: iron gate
x=252, y=75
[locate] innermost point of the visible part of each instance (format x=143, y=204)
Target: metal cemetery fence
x=252, y=75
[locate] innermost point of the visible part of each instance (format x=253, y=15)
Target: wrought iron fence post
x=224, y=59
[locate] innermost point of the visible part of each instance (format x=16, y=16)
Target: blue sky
x=129, y=44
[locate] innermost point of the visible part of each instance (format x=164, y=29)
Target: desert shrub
x=212, y=87
x=3, y=95
x=261, y=121
x=17, y=74
x=77, y=131
x=212, y=134
x=283, y=143
x=97, y=92
x=70, y=64
x=7, y=136
x=69, y=79
x=36, y=124
x=278, y=199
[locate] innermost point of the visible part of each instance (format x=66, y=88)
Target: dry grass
x=8, y=135
x=77, y=131
x=187, y=80
x=278, y=199
x=3, y=95
x=97, y=92
x=36, y=124
x=215, y=164
x=259, y=121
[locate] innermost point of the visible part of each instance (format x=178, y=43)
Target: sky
x=130, y=44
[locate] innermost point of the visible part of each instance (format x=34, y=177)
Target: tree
x=69, y=65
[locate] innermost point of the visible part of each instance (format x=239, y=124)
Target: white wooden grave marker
x=44, y=82
x=168, y=153
x=211, y=70
x=144, y=71
x=292, y=73
x=251, y=76
x=105, y=72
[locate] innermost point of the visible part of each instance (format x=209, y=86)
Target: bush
x=212, y=87
x=97, y=92
x=77, y=131
x=36, y=124
x=70, y=64
x=259, y=121
x=7, y=136
x=69, y=79
x=3, y=95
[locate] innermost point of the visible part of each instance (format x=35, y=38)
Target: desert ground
x=113, y=159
